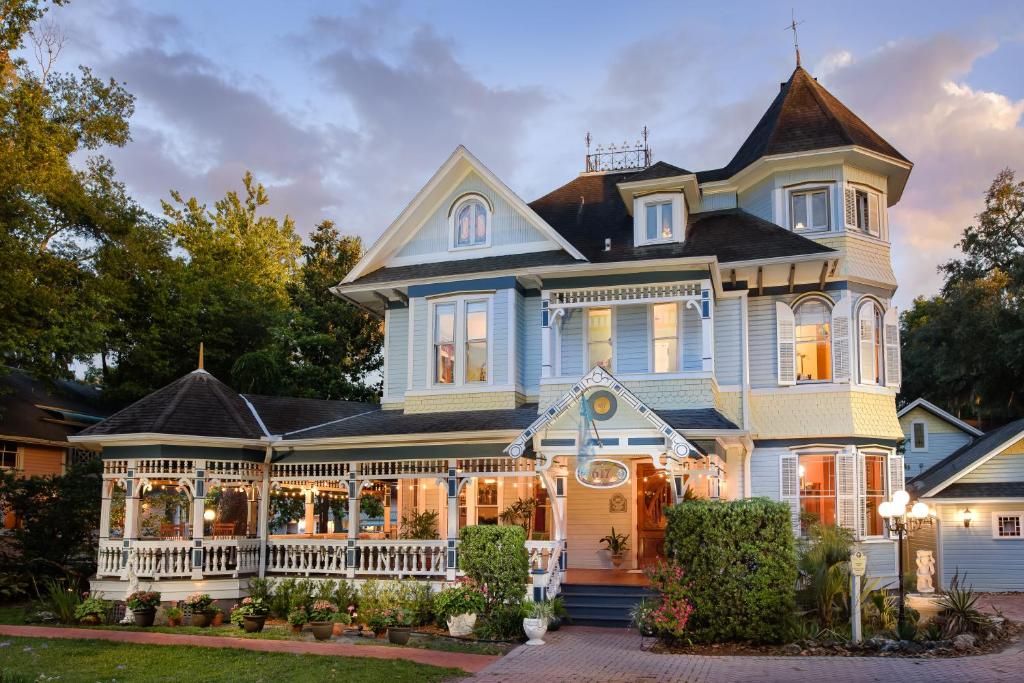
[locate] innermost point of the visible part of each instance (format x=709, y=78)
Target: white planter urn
x=535, y=630
x=461, y=625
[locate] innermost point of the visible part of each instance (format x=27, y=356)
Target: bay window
x=813, y=323
x=817, y=490
x=665, y=325
x=599, y=337
x=461, y=324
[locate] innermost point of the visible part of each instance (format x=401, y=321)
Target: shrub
x=323, y=610
x=262, y=589
x=419, y=525
x=61, y=597
x=741, y=563
x=298, y=616
x=289, y=593
x=495, y=558
x=199, y=602
x=93, y=607
x=253, y=607
x=342, y=593
x=824, y=565
x=143, y=600
x=462, y=597
x=957, y=611
x=671, y=613
x=503, y=622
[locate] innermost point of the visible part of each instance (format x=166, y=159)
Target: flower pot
x=90, y=620
x=296, y=629
x=321, y=629
x=399, y=635
x=217, y=619
x=174, y=621
x=535, y=630
x=202, y=619
x=617, y=560
x=461, y=625
x=144, y=617
x=338, y=629
x=253, y=623
x=554, y=623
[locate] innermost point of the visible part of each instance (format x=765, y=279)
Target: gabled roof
x=660, y=169
x=197, y=404
x=972, y=490
x=803, y=117
x=30, y=409
x=941, y=414
x=965, y=459
x=391, y=422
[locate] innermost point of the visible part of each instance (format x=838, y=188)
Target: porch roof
x=696, y=418
x=390, y=422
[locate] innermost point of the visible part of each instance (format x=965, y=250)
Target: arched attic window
x=470, y=222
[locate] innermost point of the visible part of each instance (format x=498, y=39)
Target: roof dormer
x=659, y=199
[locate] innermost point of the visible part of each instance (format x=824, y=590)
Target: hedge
x=741, y=561
x=496, y=558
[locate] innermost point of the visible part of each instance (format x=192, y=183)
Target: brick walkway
x=581, y=654
x=465, y=661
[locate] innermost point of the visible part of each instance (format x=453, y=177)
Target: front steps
x=592, y=604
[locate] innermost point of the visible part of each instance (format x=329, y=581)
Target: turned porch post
x=264, y=514
x=452, y=565
x=545, y=337
x=310, y=517
x=355, y=488
x=107, y=493
x=131, y=513
x=198, y=508
x=707, y=327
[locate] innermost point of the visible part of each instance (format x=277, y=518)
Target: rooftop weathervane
x=622, y=157
x=793, y=23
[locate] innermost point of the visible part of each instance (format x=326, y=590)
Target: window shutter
x=873, y=214
x=891, y=335
x=846, y=488
x=866, y=340
x=785, y=337
x=850, y=204
x=896, y=482
x=842, y=357
x=789, y=475
x=862, y=496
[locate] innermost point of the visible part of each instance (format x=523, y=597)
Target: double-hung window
x=599, y=337
x=868, y=207
x=665, y=323
x=809, y=209
x=817, y=489
x=874, y=493
x=460, y=333
x=919, y=436
x=659, y=221
x=813, y=331
x=8, y=455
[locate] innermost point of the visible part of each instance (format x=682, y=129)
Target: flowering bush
x=199, y=602
x=462, y=597
x=92, y=608
x=671, y=613
x=255, y=607
x=298, y=616
x=323, y=610
x=143, y=600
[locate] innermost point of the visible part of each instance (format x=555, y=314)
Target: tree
x=964, y=349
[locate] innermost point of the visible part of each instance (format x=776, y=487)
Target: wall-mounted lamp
x=209, y=515
x=968, y=516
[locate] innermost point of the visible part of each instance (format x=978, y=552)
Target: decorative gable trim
x=939, y=413
x=458, y=165
x=678, y=447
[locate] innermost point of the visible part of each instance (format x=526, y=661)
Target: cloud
x=916, y=94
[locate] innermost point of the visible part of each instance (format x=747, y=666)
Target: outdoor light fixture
x=209, y=515
x=901, y=521
x=968, y=516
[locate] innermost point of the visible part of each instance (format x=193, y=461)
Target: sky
x=344, y=110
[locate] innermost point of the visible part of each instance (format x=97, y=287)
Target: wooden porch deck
x=606, y=577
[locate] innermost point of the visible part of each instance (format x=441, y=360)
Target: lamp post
x=901, y=521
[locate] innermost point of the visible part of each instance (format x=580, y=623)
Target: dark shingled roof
x=803, y=117
x=283, y=414
x=660, y=169
x=695, y=418
x=198, y=404
x=65, y=402
x=1002, y=489
x=396, y=422
x=467, y=266
x=964, y=457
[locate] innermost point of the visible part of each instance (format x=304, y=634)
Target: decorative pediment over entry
x=611, y=394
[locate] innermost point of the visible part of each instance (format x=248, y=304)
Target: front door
x=654, y=494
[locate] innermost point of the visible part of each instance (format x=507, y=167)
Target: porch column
x=545, y=336
x=354, y=493
x=131, y=514
x=107, y=493
x=198, y=508
x=707, y=327
x=452, y=566
x=264, y=515
x=310, y=517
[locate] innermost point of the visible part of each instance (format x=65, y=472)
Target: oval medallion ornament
x=602, y=474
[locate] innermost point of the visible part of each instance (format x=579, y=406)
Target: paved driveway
x=582, y=654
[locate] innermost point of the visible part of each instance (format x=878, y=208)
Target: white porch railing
x=400, y=558
x=109, y=561
x=162, y=559
x=234, y=557
x=540, y=553
x=305, y=556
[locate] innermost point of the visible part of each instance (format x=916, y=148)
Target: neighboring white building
x=729, y=331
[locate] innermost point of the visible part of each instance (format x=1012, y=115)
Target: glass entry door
x=654, y=494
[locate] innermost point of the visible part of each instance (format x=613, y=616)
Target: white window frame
x=1020, y=526
x=835, y=469
x=912, y=445
x=454, y=211
x=868, y=195
x=586, y=336
x=886, y=489
x=878, y=342
x=806, y=191
x=830, y=305
x=679, y=339
x=17, y=456
x=640, y=205
x=460, y=302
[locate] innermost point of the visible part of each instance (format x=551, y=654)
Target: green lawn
x=92, y=661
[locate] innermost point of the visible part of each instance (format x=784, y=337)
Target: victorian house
x=642, y=333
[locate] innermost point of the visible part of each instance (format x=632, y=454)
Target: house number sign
x=602, y=474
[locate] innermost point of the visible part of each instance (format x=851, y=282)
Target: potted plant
x=253, y=613
x=92, y=610
x=458, y=606
x=535, y=621
x=558, y=614
x=399, y=622
x=341, y=620
x=175, y=617
x=297, y=618
x=200, y=604
x=143, y=605
x=216, y=615
x=321, y=619
x=617, y=545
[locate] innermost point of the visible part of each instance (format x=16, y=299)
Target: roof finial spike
x=793, y=23
x=200, y=356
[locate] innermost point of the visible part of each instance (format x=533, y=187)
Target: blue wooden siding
x=764, y=473
x=728, y=342
x=757, y=199
x=990, y=564
x=714, y=202
x=499, y=337
x=397, y=353
x=881, y=562
x=530, y=344
x=508, y=226
x=761, y=323
x=571, y=352
x=939, y=446
x=1001, y=468
x=632, y=339
x=420, y=344
x=692, y=339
